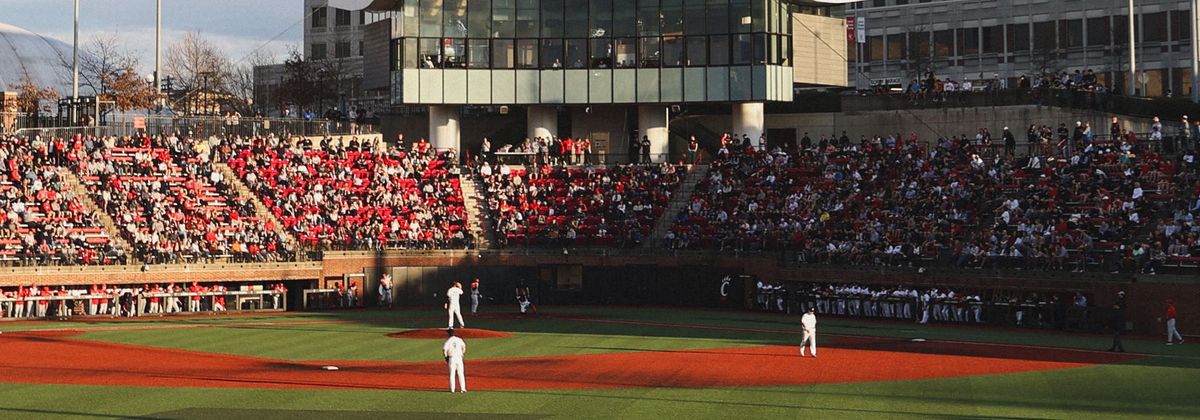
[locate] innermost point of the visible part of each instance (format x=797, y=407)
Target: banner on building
x=860, y=26
x=851, y=32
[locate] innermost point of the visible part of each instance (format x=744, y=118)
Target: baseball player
x=385, y=291
x=453, y=308
x=1172, y=331
x=475, y=296
x=809, y=323
x=453, y=351
x=523, y=298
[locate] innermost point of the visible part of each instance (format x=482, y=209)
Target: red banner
x=851, y=30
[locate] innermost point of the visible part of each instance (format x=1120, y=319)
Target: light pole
x=1132, y=54
x=1195, y=51
x=75, y=58
x=157, y=49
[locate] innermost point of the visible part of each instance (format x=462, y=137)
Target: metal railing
x=128, y=125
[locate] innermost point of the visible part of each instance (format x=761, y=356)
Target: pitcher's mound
x=466, y=333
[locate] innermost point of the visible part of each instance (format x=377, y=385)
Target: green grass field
x=1163, y=385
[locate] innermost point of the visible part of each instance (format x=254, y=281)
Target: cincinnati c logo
x=724, y=285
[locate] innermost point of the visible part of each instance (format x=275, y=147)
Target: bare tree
x=200, y=72
x=30, y=95
x=104, y=59
x=241, y=82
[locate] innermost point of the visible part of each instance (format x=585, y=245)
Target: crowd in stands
x=170, y=203
x=894, y=200
x=43, y=222
x=356, y=195
x=577, y=206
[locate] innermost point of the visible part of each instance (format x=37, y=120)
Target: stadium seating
x=578, y=206
x=172, y=206
x=331, y=197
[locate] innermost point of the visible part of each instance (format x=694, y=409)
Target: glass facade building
x=503, y=52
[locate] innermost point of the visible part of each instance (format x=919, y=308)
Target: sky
x=238, y=27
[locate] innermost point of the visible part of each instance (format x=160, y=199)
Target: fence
x=23, y=124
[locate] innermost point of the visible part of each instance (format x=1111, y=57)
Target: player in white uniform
x=453, y=350
x=809, y=322
x=453, y=308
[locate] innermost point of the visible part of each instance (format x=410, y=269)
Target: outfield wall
x=692, y=279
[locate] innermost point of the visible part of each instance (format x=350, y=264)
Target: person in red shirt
x=219, y=300
x=42, y=305
x=155, y=300
x=1172, y=331
x=194, y=300
x=19, y=305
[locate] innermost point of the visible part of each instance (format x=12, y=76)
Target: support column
x=542, y=121
x=444, y=132
x=748, y=119
x=652, y=122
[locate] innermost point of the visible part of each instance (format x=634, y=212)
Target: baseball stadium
x=604, y=209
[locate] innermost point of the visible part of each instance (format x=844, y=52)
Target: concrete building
x=609, y=70
x=963, y=39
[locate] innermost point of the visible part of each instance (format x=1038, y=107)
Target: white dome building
x=45, y=61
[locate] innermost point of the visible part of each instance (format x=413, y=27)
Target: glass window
x=1120, y=33
x=455, y=52
x=552, y=18
x=341, y=49
x=411, y=56
x=943, y=43
x=718, y=50
x=431, y=18
x=341, y=17
x=1018, y=38
x=760, y=48
x=740, y=20
x=552, y=53
x=919, y=46
x=967, y=39
x=625, y=52
x=1154, y=27
x=672, y=17
x=1043, y=35
x=1180, y=29
x=648, y=19
x=786, y=47
x=575, y=18
x=993, y=40
x=718, y=16
x=743, y=49
x=601, y=53
x=527, y=53
x=896, y=47
x=503, y=54
x=455, y=14
x=624, y=22
x=672, y=51
x=758, y=15
x=504, y=18
x=602, y=16
x=874, y=48
x=430, y=50
x=409, y=15
x=479, y=52
x=697, y=51
x=527, y=18
x=696, y=25
x=1097, y=31
x=319, y=17
x=650, y=52
x=576, y=54
x=479, y=19
x=1070, y=33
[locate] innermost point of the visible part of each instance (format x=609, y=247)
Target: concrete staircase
x=260, y=209
x=679, y=201
x=479, y=225
x=75, y=186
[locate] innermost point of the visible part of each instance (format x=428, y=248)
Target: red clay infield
x=55, y=358
x=438, y=333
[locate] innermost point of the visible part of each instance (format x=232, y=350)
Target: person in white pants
x=454, y=350
x=809, y=323
x=453, y=308
x=1172, y=330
